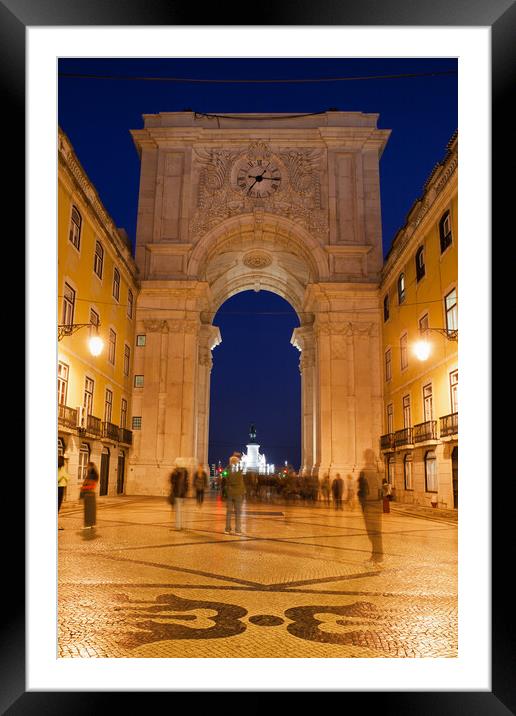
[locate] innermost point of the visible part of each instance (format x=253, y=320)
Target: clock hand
x=252, y=185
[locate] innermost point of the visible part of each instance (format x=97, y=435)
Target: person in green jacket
x=235, y=488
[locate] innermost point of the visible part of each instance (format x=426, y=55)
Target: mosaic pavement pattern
x=297, y=583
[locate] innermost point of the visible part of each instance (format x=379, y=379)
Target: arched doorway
x=455, y=476
x=255, y=380
x=104, y=471
x=120, y=478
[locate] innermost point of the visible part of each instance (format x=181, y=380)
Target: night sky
x=255, y=375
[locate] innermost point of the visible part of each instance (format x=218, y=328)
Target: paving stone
x=298, y=583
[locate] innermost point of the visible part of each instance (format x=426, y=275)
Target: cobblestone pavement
x=297, y=583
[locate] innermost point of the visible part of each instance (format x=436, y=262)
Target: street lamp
x=422, y=347
x=95, y=342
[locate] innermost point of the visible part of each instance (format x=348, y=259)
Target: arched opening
x=120, y=479
x=104, y=471
x=255, y=380
x=455, y=476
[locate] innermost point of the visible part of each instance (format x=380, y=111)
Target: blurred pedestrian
x=350, y=492
x=62, y=481
x=179, y=488
x=88, y=496
x=325, y=489
x=314, y=488
x=200, y=482
x=235, y=489
x=370, y=503
x=386, y=495
x=338, y=489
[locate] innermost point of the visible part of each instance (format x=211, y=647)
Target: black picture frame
x=500, y=16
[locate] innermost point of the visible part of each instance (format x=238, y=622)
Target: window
x=89, y=386
x=84, y=458
x=138, y=381
x=454, y=388
x=450, y=307
x=401, y=288
x=62, y=383
x=386, y=308
x=94, y=318
x=445, y=233
x=116, y=284
x=423, y=323
x=420, y=263
x=75, y=228
x=137, y=422
x=130, y=301
x=140, y=340
x=127, y=359
x=430, y=472
x=68, y=305
x=407, y=472
x=390, y=418
x=427, y=402
x=112, y=346
x=407, y=419
x=404, y=351
x=123, y=413
x=61, y=447
x=388, y=364
x=98, y=259
x=108, y=406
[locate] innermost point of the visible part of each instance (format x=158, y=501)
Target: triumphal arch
x=284, y=203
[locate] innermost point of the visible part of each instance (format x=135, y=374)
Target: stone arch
x=258, y=228
x=316, y=243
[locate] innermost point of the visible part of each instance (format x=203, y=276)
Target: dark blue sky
x=97, y=115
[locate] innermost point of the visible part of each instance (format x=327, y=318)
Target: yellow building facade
x=97, y=292
x=419, y=295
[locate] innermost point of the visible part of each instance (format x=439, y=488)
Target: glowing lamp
x=96, y=345
x=422, y=349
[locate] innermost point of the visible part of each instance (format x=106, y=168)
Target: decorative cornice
x=439, y=178
x=69, y=160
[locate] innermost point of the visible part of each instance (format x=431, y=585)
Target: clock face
x=258, y=178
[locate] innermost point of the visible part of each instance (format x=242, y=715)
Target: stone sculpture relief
x=298, y=197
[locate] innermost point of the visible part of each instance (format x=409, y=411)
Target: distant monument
x=253, y=460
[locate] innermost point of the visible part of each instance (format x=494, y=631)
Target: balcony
x=387, y=442
x=94, y=425
x=125, y=436
x=426, y=432
x=110, y=431
x=403, y=438
x=449, y=425
x=67, y=417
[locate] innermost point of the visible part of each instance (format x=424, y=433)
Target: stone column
x=303, y=340
x=209, y=338
x=167, y=402
x=350, y=406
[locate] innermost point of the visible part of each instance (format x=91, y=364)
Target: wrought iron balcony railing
x=94, y=425
x=67, y=416
x=126, y=436
x=449, y=425
x=387, y=441
x=425, y=431
x=403, y=437
x=110, y=430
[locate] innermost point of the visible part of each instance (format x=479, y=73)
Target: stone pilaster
x=303, y=339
